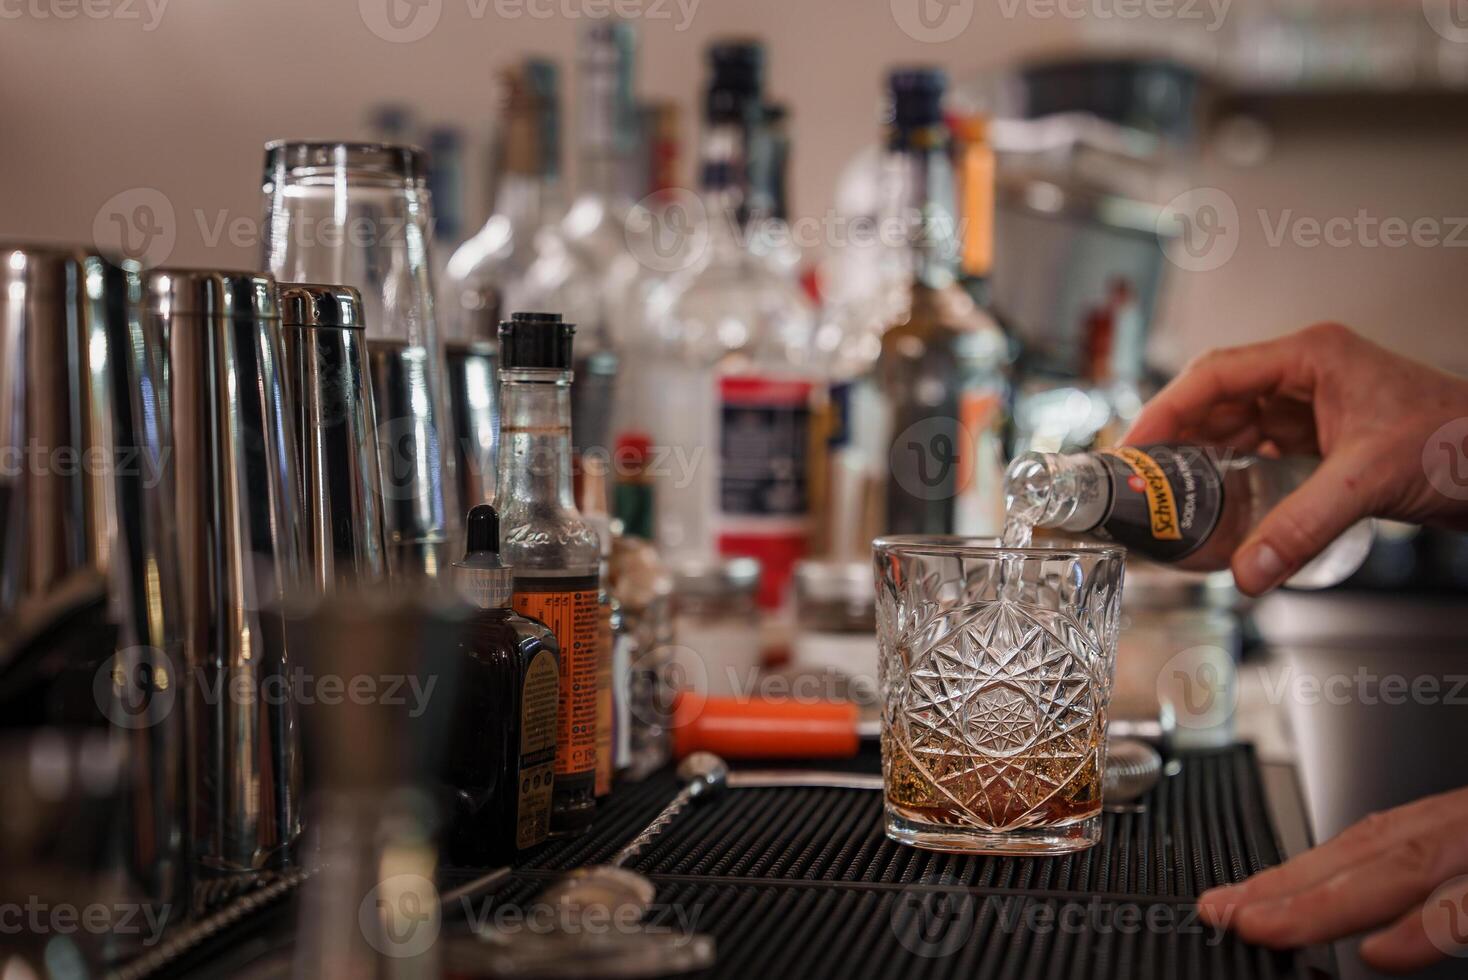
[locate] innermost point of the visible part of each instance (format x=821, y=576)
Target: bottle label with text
x=568, y=605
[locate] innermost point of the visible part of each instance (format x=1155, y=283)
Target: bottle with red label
x=733, y=372
x=555, y=554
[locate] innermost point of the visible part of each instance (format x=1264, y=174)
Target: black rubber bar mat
x=802, y=883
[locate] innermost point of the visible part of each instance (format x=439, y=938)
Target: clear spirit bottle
x=733, y=370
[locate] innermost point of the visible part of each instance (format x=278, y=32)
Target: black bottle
x=500, y=767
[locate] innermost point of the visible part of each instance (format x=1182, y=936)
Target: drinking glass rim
x=973, y=546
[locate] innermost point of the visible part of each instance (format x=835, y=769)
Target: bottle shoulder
x=552, y=540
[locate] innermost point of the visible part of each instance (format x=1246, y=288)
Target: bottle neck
x=978, y=172
x=634, y=507
x=721, y=175
x=920, y=163
x=530, y=158
x=606, y=121
x=526, y=200
x=535, y=442
x=483, y=582
x=1067, y=492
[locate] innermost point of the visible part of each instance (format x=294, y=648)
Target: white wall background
x=121, y=96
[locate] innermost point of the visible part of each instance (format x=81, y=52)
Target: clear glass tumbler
x=995, y=672
x=358, y=214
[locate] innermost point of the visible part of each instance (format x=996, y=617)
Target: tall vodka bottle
x=555, y=554
x=484, y=270
x=1191, y=506
x=595, y=227
x=941, y=370
x=657, y=234
x=733, y=370
x=357, y=214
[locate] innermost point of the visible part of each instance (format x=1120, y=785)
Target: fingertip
x=1258, y=567
x=1397, y=952
x=1264, y=923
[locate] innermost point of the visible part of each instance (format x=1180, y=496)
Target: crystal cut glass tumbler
x=996, y=668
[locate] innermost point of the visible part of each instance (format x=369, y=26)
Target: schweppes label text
x=1161, y=505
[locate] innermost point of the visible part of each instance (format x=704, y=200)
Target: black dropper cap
x=484, y=531
x=736, y=80
x=536, y=340
x=481, y=577
x=917, y=97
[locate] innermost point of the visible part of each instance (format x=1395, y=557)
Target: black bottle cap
x=481, y=578
x=917, y=96
x=536, y=340
x=736, y=81
x=484, y=530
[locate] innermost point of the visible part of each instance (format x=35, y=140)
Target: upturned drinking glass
x=358, y=215
x=995, y=672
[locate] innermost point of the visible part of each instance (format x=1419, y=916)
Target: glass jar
x=717, y=624
x=836, y=639
x=1178, y=651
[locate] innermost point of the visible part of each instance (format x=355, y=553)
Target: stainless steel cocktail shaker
x=234, y=462
x=336, y=433
x=86, y=498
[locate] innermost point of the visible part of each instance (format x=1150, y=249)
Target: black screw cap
x=536, y=340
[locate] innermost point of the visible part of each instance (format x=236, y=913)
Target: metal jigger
x=335, y=432
x=234, y=463
x=86, y=508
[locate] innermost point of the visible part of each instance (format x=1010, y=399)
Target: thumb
x=1338, y=494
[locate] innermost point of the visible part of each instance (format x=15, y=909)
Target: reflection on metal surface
x=238, y=497
x=85, y=432
x=335, y=432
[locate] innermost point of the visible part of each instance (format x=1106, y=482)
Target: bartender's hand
x=1323, y=391
x=1397, y=873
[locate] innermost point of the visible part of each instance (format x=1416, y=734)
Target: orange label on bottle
x=605, y=764
x=568, y=605
x=1161, y=507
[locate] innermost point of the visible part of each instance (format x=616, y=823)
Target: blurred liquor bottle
x=644, y=586
x=656, y=229
x=734, y=367
x=612, y=659
x=942, y=369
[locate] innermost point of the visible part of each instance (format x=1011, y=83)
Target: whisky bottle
x=942, y=369
x=1191, y=506
x=553, y=552
x=500, y=766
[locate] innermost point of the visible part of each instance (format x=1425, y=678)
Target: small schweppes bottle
x=1190, y=506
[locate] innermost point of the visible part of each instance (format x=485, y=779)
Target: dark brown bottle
x=500, y=767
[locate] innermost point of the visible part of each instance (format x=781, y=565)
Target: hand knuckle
x=1419, y=859
x=1373, y=826
x=1328, y=332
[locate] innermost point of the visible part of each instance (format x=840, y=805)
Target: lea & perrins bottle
x=500, y=766
x=1190, y=506
x=554, y=554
